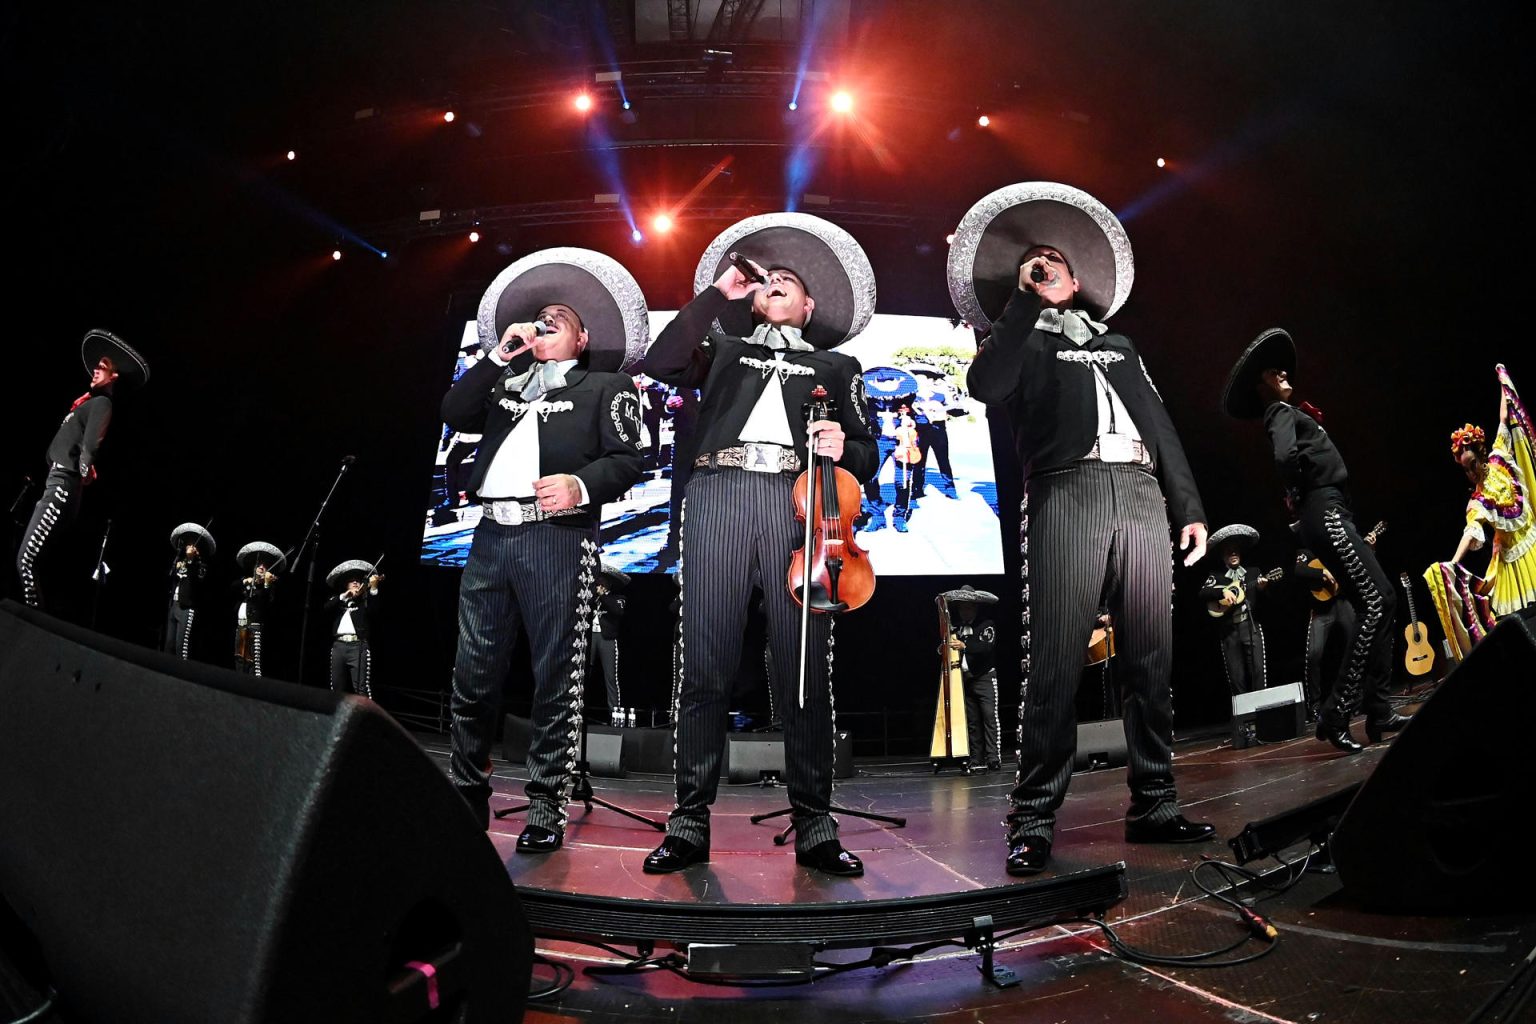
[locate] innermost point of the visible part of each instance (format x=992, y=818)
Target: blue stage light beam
x=801, y=162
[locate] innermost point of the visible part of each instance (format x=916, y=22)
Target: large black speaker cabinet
x=189, y=845
x=1435, y=828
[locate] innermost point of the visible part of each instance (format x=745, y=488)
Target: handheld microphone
x=540, y=328
x=744, y=265
x=347, y=460
x=1037, y=273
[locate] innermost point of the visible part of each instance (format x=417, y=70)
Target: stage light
x=336, y=254
x=1161, y=162
x=662, y=223
x=626, y=104
x=583, y=102
x=474, y=236
x=636, y=236
x=983, y=120
x=448, y=116
x=292, y=155
x=383, y=255
x=949, y=239
x=842, y=101
x=793, y=105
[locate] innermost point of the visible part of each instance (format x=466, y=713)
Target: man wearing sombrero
x=193, y=545
x=1317, y=485
x=1041, y=264
x=351, y=607
x=1228, y=593
x=757, y=349
x=261, y=562
x=111, y=364
x=561, y=436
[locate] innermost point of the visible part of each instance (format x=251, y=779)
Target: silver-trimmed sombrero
x=1245, y=535
x=1271, y=350
x=601, y=291
x=994, y=234
x=832, y=264
x=205, y=539
x=246, y=556
x=131, y=367
x=616, y=578
x=353, y=567
x=968, y=594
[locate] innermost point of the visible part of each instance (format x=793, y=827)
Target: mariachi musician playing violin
x=758, y=348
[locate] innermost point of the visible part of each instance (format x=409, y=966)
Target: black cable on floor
x=1518, y=989
x=564, y=975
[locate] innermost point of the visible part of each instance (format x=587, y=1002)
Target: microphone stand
x=313, y=535
x=99, y=576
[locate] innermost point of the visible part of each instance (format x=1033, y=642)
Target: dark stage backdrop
x=1347, y=173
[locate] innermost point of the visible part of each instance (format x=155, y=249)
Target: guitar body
x=1420, y=657
x=1101, y=645
x=1216, y=609
x=1327, y=591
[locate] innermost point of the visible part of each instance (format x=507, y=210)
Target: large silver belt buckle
x=1116, y=448
x=507, y=513
x=761, y=458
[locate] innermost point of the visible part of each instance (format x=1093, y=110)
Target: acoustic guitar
x=1216, y=610
x=1326, y=591
x=1101, y=645
x=1420, y=657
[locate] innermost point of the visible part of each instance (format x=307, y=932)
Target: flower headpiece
x=1468, y=436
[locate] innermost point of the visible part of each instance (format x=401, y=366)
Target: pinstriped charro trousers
x=1082, y=526
x=1365, y=677
x=351, y=667
x=739, y=531
x=51, y=515
x=540, y=575
x=178, y=631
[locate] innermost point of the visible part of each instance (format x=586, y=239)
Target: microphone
x=744, y=265
x=540, y=328
x=347, y=460
x=1037, y=273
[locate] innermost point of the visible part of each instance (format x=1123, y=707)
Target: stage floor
x=1333, y=961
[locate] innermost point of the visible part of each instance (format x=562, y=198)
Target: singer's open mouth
x=777, y=292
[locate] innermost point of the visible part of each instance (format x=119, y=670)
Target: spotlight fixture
x=292, y=155
x=794, y=105
x=448, y=117
x=662, y=223
x=474, y=236
x=636, y=236
x=583, y=102
x=949, y=239
x=1161, y=162
x=983, y=120
x=336, y=254
x=842, y=101
x=626, y=104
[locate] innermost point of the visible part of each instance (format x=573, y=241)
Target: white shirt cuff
x=586, y=499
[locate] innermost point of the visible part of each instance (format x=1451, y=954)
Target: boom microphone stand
x=581, y=791
x=313, y=535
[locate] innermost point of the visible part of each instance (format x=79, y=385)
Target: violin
x=907, y=452
x=826, y=499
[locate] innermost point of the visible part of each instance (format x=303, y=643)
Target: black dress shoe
x=831, y=858
x=1339, y=736
x=1177, y=829
x=1028, y=856
x=1374, y=731
x=538, y=839
x=674, y=854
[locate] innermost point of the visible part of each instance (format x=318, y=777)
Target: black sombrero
x=994, y=234
x=204, y=538
x=353, y=569
x=968, y=595
x=1242, y=534
x=616, y=578
x=1272, y=350
x=604, y=295
x=832, y=264
x=247, y=556
x=131, y=367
